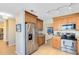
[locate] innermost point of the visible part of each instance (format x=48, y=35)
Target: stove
x=68, y=44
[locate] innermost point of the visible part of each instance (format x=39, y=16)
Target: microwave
x=68, y=27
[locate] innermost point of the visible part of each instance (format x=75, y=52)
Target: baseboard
x=12, y=44
x=19, y=53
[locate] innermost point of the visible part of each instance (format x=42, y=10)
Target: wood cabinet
x=56, y=42
x=78, y=46
x=59, y=21
x=56, y=24
x=39, y=24
x=77, y=23
x=40, y=40
x=30, y=18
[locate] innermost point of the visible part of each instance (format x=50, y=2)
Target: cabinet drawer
x=78, y=47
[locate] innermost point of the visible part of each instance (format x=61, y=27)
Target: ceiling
x=43, y=10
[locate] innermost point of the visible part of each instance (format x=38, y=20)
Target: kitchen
x=60, y=32
x=39, y=30
x=44, y=30
x=61, y=26
x=63, y=32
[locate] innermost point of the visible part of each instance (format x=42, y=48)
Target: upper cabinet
x=58, y=22
x=68, y=19
x=30, y=18
x=39, y=24
x=77, y=23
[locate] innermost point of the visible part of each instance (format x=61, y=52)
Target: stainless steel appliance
x=30, y=41
x=68, y=43
x=68, y=26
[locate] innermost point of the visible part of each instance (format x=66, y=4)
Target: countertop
x=40, y=35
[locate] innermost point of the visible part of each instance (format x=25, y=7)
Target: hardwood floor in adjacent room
x=48, y=50
x=6, y=50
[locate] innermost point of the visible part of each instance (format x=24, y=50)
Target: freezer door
x=31, y=44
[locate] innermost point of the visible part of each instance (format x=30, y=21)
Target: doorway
x=8, y=37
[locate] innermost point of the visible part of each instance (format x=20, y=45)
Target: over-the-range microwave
x=68, y=27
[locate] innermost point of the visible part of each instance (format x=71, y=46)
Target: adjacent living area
x=39, y=29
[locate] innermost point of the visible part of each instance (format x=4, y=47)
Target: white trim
x=19, y=53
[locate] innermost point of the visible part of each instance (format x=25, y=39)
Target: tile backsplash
x=40, y=32
x=59, y=33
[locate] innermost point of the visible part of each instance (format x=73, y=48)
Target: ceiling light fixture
x=5, y=14
x=69, y=6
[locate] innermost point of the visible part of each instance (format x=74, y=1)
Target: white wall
x=2, y=25
x=11, y=31
x=20, y=36
x=5, y=37
x=46, y=24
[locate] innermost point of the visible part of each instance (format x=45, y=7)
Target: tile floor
x=48, y=50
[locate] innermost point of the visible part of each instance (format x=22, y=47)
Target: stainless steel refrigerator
x=31, y=39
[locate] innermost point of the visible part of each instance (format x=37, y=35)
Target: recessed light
x=70, y=8
x=5, y=17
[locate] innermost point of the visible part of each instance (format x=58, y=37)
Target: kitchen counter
x=40, y=35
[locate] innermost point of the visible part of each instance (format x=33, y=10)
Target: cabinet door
x=39, y=24
x=78, y=47
x=29, y=18
x=56, y=25
x=77, y=23
x=40, y=40
x=58, y=22
x=56, y=43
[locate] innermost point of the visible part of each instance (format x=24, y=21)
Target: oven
x=68, y=44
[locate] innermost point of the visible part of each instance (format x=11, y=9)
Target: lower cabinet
x=78, y=47
x=40, y=40
x=56, y=42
